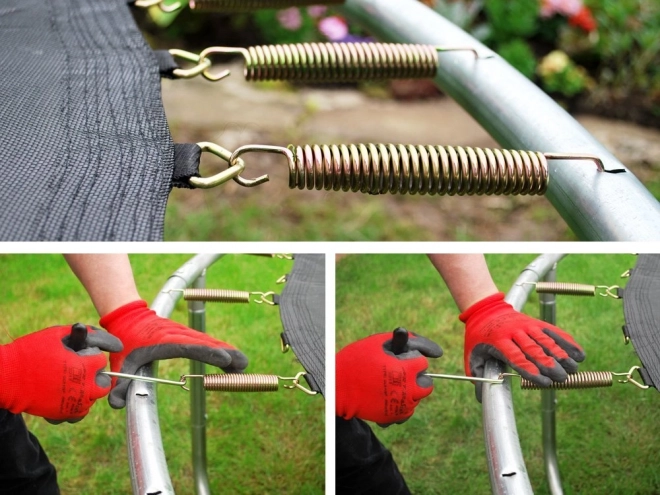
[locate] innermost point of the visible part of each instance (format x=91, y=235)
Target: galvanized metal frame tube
x=548, y=312
x=506, y=466
x=596, y=205
x=197, y=321
x=149, y=474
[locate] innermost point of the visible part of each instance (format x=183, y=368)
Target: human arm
x=539, y=351
x=108, y=279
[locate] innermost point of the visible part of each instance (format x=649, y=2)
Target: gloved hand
x=376, y=384
x=537, y=350
x=40, y=374
x=147, y=337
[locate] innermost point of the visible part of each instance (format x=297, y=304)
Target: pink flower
x=334, y=28
x=317, y=10
x=290, y=19
x=567, y=8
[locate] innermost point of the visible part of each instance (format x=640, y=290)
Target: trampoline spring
x=249, y=5
x=331, y=62
x=248, y=382
x=582, y=379
x=574, y=289
x=227, y=296
x=414, y=169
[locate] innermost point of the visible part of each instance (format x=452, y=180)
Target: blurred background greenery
x=256, y=443
x=607, y=438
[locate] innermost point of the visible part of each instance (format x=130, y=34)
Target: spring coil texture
x=249, y=5
x=216, y=295
x=240, y=382
x=582, y=379
x=338, y=62
x=566, y=288
x=441, y=170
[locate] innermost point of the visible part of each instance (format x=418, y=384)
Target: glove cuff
x=9, y=378
x=485, y=303
x=115, y=318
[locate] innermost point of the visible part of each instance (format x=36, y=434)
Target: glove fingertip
x=117, y=397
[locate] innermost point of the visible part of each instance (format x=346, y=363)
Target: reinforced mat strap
x=641, y=308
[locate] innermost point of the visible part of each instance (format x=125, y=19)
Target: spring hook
x=227, y=296
x=248, y=382
x=145, y=4
x=441, y=170
x=573, y=289
x=333, y=62
x=234, y=167
x=202, y=63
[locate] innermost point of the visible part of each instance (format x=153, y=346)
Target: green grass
x=607, y=438
x=257, y=443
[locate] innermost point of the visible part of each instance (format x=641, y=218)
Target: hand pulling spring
x=328, y=62
x=573, y=289
x=414, y=169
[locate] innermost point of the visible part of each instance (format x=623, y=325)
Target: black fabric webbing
x=85, y=150
x=186, y=164
x=166, y=63
x=302, y=310
x=641, y=307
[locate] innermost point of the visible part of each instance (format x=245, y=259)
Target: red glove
x=375, y=384
x=41, y=375
x=147, y=337
x=537, y=350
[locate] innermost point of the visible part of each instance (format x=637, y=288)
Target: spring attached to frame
x=248, y=5
x=566, y=288
x=240, y=382
x=441, y=170
x=582, y=379
x=216, y=295
x=329, y=62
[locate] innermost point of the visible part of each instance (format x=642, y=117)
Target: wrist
x=485, y=304
x=124, y=315
x=9, y=377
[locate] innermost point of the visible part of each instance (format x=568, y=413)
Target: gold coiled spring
x=573, y=289
x=566, y=288
x=582, y=379
x=332, y=62
x=441, y=170
x=249, y=5
x=216, y=295
x=239, y=382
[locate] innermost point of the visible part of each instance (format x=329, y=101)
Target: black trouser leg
x=24, y=466
x=364, y=466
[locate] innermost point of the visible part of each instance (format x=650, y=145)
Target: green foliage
x=512, y=19
x=250, y=444
x=518, y=53
x=597, y=451
x=274, y=32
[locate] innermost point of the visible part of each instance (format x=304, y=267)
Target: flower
x=566, y=8
x=317, y=10
x=334, y=28
x=290, y=19
x=584, y=20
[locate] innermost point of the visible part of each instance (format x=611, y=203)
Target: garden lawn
x=608, y=439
